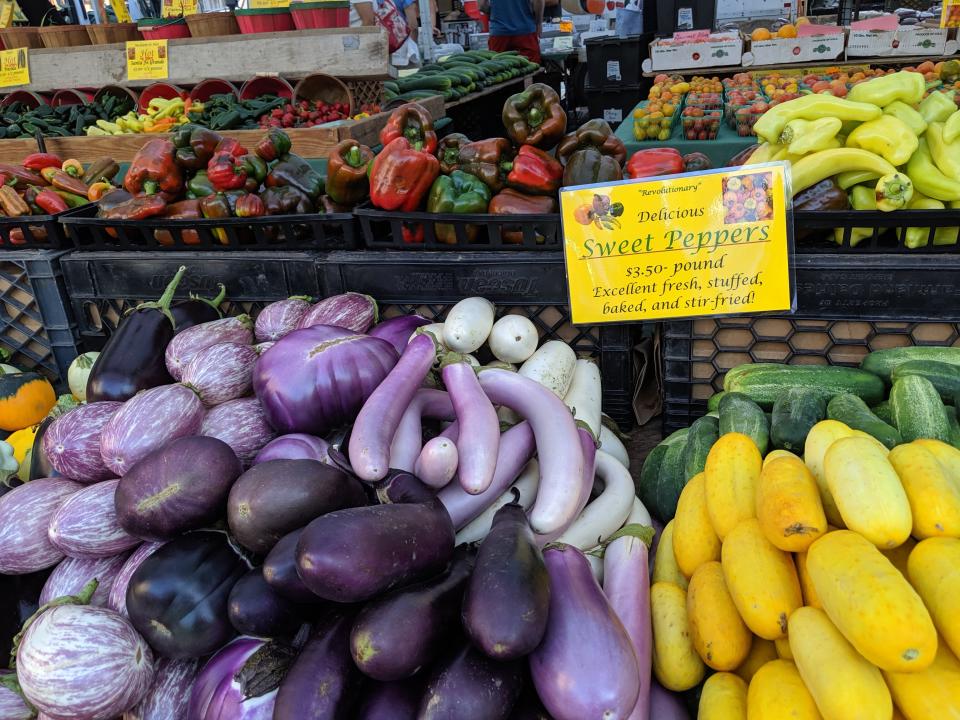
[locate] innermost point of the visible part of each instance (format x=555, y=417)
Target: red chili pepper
x=48, y=201
x=39, y=161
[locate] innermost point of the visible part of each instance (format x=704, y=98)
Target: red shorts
x=527, y=45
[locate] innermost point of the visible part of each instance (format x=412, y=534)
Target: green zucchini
x=884, y=412
x=765, y=382
x=854, y=412
x=650, y=473
x=714, y=402
x=944, y=376
x=882, y=362
x=669, y=484
x=703, y=434
x=428, y=82
x=918, y=410
x=796, y=411
x=391, y=86
x=740, y=414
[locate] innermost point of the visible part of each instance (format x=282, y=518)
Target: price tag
x=14, y=67
x=613, y=70
x=613, y=115
x=147, y=60
x=269, y=3
x=564, y=43
x=699, y=244
x=178, y=8
x=7, y=8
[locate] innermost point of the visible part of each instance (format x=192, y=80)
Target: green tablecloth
x=725, y=146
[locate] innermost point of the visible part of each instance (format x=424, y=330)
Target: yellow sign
x=14, y=67
x=257, y=4
x=950, y=14
x=120, y=10
x=178, y=8
x=699, y=244
x=7, y=8
x=147, y=60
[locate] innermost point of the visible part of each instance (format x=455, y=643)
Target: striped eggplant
x=168, y=697
x=72, y=574
x=240, y=682
x=117, y=600
x=467, y=685
x=261, y=348
x=12, y=706
x=83, y=663
x=280, y=570
x=242, y=425
x=397, y=331
x=351, y=310
x=280, y=318
x=72, y=442
x=221, y=372
x=86, y=525
x=147, y=421
x=25, y=514
x=185, y=345
x=295, y=446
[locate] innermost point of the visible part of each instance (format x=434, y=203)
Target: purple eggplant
x=242, y=425
x=408, y=439
x=479, y=435
x=529, y=707
x=352, y=311
x=280, y=318
x=391, y=701
x=185, y=345
x=182, y=486
x=400, y=487
x=25, y=514
x=318, y=378
x=177, y=598
x=117, y=600
x=168, y=697
x=280, y=570
x=72, y=442
x=322, y=683
x=665, y=705
x=508, y=597
x=40, y=466
x=396, y=635
x=197, y=310
x=83, y=663
x=221, y=372
x=274, y=498
x=147, y=422
x=352, y=555
x=467, y=685
x=585, y=667
x=397, y=331
x=240, y=681
x=72, y=574
x=295, y=446
x=86, y=525
x=257, y=609
x=380, y=415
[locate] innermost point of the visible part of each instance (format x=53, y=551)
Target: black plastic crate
x=887, y=231
x=36, y=324
x=39, y=232
x=333, y=231
x=613, y=104
x=613, y=61
x=401, y=230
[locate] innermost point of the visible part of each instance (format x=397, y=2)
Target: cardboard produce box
x=696, y=49
x=810, y=48
x=906, y=40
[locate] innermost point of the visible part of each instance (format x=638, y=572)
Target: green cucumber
x=918, y=410
x=670, y=482
x=391, y=86
x=882, y=362
x=740, y=414
x=854, y=412
x=714, y=402
x=884, y=412
x=649, y=482
x=944, y=376
x=428, y=82
x=764, y=383
x=460, y=57
x=796, y=411
x=703, y=434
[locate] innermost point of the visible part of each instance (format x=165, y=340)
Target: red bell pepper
x=39, y=161
x=229, y=145
x=154, y=171
x=413, y=122
x=401, y=176
x=535, y=172
x=653, y=162
x=226, y=171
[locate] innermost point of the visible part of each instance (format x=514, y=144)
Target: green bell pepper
x=458, y=193
x=199, y=186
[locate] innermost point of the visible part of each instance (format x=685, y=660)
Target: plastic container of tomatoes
x=702, y=127
x=744, y=120
x=707, y=101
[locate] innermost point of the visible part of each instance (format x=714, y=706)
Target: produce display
x=20, y=121
x=163, y=115
x=461, y=497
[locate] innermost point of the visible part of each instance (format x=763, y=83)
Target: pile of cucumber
x=456, y=76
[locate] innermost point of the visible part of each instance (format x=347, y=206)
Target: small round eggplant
x=257, y=609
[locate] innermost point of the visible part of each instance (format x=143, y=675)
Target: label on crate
x=147, y=60
x=254, y=4
x=613, y=70
x=14, y=67
x=692, y=245
x=613, y=115
x=178, y=8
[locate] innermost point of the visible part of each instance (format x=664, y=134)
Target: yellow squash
x=880, y=446
x=871, y=603
x=934, y=497
x=777, y=454
x=694, y=539
x=724, y=697
x=807, y=589
x=783, y=648
x=761, y=579
x=718, y=633
x=844, y=685
x=761, y=652
x=665, y=564
x=819, y=439
x=777, y=693
x=898, y=555
x=788, y=505
x=675, y=661
x=868, y=492
x=947, y=455
x=732, y=473
x=933, y=693
x=934, y=571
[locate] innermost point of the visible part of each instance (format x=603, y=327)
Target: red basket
x=163, y=29
x=204, y=89
x=261, y=20
x=159, y=90
x=316, y=15
x=266, y=85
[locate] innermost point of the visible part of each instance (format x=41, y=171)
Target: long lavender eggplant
x=72, y=574
x=185, y=345
x=479, y=427
x=280, y=318
x=25, y=514
x=239, y=682
x=280, y=570
x=169, y=696
x=351, y=310
x=583, y=489
x=86, y=525
x=221, y=372
x=72, y=442
x=665, y=705
x=147, y=421
x=380, y=415
x=408, y=438
x=117, y=600
x=515, y=449
x=83, y=663
x=397, y=331
x=585, y=667
x=12, y=706
x=391, y=701
x=438, y=461
x=468, y=685
x=242, y=425
x=295, y=446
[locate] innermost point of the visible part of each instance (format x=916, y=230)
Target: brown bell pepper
x=588, y=166
x=347, y=181
x=216, y=206
x=490, y=160
x=401, y=176
x=154, y=171
x=696, y=162
x=20, y=176
x=535, y=172
x=136, y=208
x=825, y=195
x=62, y=181
x=593, y=133
x=413, y=122
x=13, y=205
x=204, y=143
x=511, y=202
x=286, y=201
x=183, y=210
x=104, y=169
x=448, y=152
x=328, y=206
x=535, y=117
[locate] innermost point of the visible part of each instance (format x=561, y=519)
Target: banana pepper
x=907, y=115
x=861, y=198
x=811, y=107
x=946, y=156
x=938, y=106
x=887, y=136
x=916, y=237
x=813, y=168
x=894, y=192
x=951, y=128
x=927, y=177
x=807, y=136
x=908, y=87
x=847, y=180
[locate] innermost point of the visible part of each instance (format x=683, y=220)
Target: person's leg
x=499, y=43
x=527, y=45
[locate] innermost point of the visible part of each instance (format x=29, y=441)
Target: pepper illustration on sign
x=601, y=213
x=747, y=198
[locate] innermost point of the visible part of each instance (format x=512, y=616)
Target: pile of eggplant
x=319, y=515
